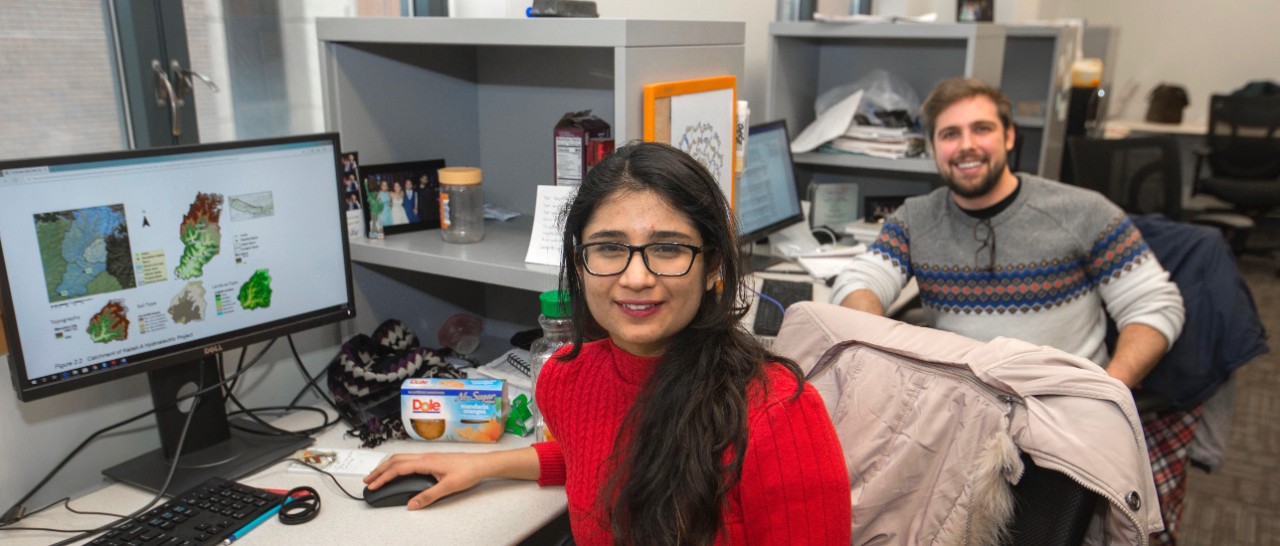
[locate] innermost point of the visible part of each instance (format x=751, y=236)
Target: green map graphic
x=109, y=324
x=256, y=292
x=85, y=251
x=201, y=235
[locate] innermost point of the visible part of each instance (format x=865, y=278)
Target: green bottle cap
x=555, y=303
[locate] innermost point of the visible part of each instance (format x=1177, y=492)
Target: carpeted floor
x=1239, y=503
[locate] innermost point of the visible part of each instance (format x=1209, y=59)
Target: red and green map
x=201, y=235
x=110, y=323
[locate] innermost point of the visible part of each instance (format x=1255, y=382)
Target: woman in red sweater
x=672, y=424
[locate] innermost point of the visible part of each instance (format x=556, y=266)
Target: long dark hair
x=669, y=478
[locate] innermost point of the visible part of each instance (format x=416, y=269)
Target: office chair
x=1051, y=509
x=1242, y=153
x=1143, y=175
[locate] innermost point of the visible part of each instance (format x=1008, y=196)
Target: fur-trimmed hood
x=931, y=424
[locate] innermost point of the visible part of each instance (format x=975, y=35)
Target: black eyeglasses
x=988, y=240
x=661, y=259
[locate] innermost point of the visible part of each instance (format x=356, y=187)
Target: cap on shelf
x=460, y=176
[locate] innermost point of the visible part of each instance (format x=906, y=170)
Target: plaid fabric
x=1168, y=435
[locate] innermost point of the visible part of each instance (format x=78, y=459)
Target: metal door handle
x=166, y=97
x=182, y=79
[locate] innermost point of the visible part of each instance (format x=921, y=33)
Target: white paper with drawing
x=702, y=126
x=548, y=232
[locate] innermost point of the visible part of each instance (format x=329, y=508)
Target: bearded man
x=999, y=254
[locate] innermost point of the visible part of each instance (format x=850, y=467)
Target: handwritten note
x=548, y=232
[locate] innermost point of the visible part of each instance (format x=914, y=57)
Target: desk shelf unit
x=811, y=58
x=1037, y=69
x=807, y=59
x=487, y=93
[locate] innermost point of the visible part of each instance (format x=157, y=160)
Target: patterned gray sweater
x=1062, y=256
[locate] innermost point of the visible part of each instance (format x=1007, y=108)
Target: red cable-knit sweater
x=794, y=487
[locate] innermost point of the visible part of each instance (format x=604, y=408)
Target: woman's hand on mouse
x=454, y=471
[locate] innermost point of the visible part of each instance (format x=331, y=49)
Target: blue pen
x=241, y=532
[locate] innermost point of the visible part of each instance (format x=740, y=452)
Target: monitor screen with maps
x=158, y=260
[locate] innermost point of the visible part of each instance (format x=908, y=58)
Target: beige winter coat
x=925, y=418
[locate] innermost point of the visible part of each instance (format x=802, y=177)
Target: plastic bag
x=887, y=100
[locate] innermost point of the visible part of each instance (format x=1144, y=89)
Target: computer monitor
x=766, y=199
x=158, y=260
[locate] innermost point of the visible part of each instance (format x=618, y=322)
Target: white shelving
x=487, y=93
x=1037, y=69
x=498, y=259
x=808, y=59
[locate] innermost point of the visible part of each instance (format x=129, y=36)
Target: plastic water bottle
x=557, y=330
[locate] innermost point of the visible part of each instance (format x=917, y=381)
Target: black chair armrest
x=1202, y=155
x=1149, y=400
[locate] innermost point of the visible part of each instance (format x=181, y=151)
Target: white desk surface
x=1143, y=126
x=494, y=512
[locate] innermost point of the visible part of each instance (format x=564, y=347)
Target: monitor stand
x=762, y=262
x=212, y=448
x=760, y=256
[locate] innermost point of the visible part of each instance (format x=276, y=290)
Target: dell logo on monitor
x=213, y=349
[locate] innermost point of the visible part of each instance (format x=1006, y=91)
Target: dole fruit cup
x=457, y=410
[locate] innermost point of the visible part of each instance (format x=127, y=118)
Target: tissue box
x=453, y=410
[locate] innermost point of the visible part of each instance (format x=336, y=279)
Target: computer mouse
x=399, y=490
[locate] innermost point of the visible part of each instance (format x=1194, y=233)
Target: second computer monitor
x=766, y=199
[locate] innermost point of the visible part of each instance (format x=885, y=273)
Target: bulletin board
x=696, y=116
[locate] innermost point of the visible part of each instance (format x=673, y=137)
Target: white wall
x=757, y=14
x=1207, y=47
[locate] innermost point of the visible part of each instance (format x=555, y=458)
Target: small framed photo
x=877, y=209
x=975, y=11
x=401, y=197
x=349, y=183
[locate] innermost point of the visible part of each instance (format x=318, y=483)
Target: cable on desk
x=330, y=475
x=769, y=299
x=168, y=479
x=16, y=512
x=303, y=507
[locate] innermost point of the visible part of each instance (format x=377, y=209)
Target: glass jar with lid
x=461, y=205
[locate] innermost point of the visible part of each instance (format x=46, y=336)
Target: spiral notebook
x=513, y=366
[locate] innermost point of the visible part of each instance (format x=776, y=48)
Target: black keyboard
x=768, y=316
x=206, y=514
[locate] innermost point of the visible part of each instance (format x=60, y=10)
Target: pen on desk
x=241, y=532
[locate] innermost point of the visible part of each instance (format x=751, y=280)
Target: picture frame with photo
x=349, y=185
x=401, y=197
x=975, y=11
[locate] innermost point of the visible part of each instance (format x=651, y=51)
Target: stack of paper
x=876, y=141
x=863, y=232
x=829, y=261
